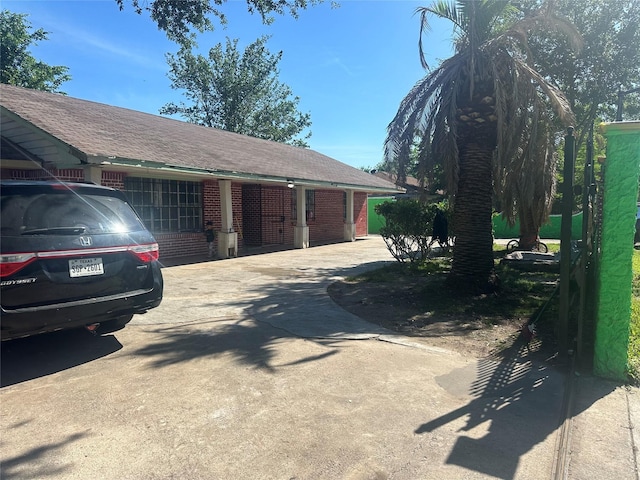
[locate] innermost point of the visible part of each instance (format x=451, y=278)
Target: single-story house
x=180, y=176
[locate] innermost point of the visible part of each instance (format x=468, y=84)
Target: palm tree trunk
x=473, y=267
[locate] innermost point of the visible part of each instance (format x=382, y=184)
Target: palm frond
x=429, y=111
x=559, y=102
x=441, y=9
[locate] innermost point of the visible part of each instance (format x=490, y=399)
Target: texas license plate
x=86, y=267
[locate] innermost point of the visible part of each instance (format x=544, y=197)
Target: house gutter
x=239, y=176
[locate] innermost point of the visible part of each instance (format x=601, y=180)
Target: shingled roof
x=94, y=133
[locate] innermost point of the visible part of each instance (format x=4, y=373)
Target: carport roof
x=66, y=130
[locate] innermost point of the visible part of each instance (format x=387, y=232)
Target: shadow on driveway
x=252, y=344
x=521, y=395
x=32, y=357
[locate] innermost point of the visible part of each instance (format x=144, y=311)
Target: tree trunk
x=529, y=230
x=473, y=268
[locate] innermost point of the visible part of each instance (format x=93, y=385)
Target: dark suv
x=72, y=255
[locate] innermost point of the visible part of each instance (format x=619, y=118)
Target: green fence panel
x=548, y=230
x=500, y=227
x=375, y=221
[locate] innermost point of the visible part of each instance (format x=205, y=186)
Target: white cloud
x=337, y=62
x=75, y=36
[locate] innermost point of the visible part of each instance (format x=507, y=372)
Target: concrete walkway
x=249, y=371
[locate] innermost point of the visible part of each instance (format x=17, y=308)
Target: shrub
x=408, y=228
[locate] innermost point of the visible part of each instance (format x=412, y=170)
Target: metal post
x=620, y=105
x=621, y=96
x=586, y=291
x=565, y=240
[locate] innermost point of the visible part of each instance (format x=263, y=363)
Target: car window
x=66, y=213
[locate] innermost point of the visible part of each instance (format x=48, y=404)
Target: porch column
x=93, y=174
x=349, y=224
x=227, y=238
x=615, y=275
x=301, y=230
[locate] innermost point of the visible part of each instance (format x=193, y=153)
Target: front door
x=273, y=216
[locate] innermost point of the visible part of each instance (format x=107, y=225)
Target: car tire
x=114, y=325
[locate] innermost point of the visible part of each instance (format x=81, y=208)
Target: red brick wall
x=65, y=175
x=236, y=208
x=328, y=224
x=113, y=179
x=211, y=200
x=181, y=244
x=360, y=214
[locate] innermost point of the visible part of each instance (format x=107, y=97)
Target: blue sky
x=351, y=66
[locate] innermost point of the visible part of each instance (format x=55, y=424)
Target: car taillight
x=146, y=253
x=12, y=262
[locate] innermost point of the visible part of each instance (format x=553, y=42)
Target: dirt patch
x=414, y=306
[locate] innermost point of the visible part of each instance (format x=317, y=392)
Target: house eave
x=133, y=165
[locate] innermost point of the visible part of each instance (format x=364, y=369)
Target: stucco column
x=93, y=174
x=349, y=224
x=301, y=230
x=227, y=238
x=613, y=311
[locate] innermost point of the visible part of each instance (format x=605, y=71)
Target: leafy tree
x=177, y=18
x=17, y=65
x=488, y=117
x=237, y=92
x=592, y=77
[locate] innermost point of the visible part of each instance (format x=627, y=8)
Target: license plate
x=86, y=267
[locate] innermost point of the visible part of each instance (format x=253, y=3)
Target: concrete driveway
x=249, y=371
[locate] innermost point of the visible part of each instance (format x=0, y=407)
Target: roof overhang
x=39, y=143
x=147, y=168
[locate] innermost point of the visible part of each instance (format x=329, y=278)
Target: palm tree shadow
x=518, y=393
x=29, y=462
x=295, y=306
x=249, y=343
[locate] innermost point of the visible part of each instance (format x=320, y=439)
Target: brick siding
x=113, y=179
x=360, y=214
x=259, y=220
x=328, y=224
x=211, y=200
x=181, y=244
x=65, y=175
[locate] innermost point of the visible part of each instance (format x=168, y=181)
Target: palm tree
x=487, y=117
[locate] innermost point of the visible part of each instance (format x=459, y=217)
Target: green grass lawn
x=523, y=293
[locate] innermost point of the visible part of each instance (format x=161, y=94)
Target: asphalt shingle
x=102, y=131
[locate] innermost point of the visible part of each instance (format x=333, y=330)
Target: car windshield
x=66, y=214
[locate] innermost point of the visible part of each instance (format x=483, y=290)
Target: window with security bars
x=166, y=206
